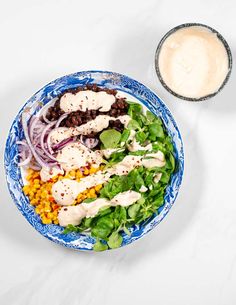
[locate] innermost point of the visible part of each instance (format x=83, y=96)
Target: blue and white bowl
x=42, y=97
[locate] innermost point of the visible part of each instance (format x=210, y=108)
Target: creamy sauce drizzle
x=76, y=155
x=87, y=99
x=98, y=124
x=47, y=173
x=65, y=191
x=74, y=214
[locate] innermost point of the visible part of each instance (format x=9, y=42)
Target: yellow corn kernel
x=79, y=196
x=46, y=221
x=86, y=172
x=72, y=173
x=79, y=174
x=92, y=170
x=34, y=201
x=37, y=210
x=55, y=213
x=98, y=187
x=26, y=189
x=50, y=215
x=31, y=193
x=92, y=191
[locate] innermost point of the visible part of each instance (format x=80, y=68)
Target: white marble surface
x=191, y=257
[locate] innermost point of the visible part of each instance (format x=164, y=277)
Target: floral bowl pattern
x=43, y=96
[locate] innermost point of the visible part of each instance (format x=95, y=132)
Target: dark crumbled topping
x=77, y=118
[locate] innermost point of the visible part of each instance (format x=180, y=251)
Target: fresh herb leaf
x=88, y=200
x=156, y=131
x=120, y=214
x=70, y=228
x=133, y=124
x=99, y=246
x=133, y=210
x=115, y=240
x=125, y=135
x=165, y=177
x=134, y=109
x=141, y=136
x=110, y=138
x=117, y=184
x=150, y=116
x=103, y=227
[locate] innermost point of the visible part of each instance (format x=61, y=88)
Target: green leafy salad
x=145, y=142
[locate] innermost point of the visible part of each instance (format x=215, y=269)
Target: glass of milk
x=193, y=62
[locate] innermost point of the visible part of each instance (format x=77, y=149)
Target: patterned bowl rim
x=153, y=221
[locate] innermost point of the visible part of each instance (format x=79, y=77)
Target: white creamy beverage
x=193, y=62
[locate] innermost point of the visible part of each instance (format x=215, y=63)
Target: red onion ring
x=27, y=137
x=61, y=118
x=25, y=160
x=46, y=129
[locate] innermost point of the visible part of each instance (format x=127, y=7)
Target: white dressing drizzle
x=65, y=192
x=74, y=214
x=87, y=100
x=76, y=155
x=94, y=126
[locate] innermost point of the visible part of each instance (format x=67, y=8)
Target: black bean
x=74, y=120
x=79, y=120
x=89, y=118
x=57, y=104
x=113, y=112
x=114, y=105
x=69, y=124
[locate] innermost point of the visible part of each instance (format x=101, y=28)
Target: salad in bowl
x=95, y=164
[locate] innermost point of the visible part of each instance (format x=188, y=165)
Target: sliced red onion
x=25, y=145
x=49, y=142
x=35, y=167
x=44, y=132
x=32, y=127
x=61, y=118
x=44, y=111
x=27, y=160
x=33, y=118
x=89, y=142
x=63, y=143
x=27, y=137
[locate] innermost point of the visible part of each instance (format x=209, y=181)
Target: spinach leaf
x=141, y=136
x=103, y=227
x=110, y=138
x=115, y=158
x=134, y=109
x=133, y=210
x=168, y=144
x=117, y=184
x=70, y=228
x=115, y=240
x=99, y=246
x=165, y=177
x=133, y=124
x=158, y=202
x=150, y=116
x=120, y=214
x=88, y=200
x=125, y=135
x=156, y=131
